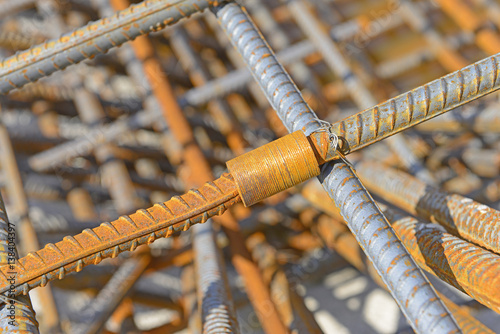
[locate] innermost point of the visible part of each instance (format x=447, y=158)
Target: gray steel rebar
x=85, y=144
x=238, y=79
x=214, y=300
x=411, y=289
x=104, y=304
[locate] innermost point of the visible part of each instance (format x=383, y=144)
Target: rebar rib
x=419, y=104
x=460, y=215
x=124, y=234
x=93, y=39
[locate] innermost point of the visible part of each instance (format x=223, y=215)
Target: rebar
x=283, y=95
x=460, y=263
x=16, y=314
x=54, y=261
x=217, y=311
x=213, y=112
x=418, y=105
x=460, y=215
x=95, y=38
x=200, y=172
x=104, y=304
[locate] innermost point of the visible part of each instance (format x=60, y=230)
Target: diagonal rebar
x=93, y=39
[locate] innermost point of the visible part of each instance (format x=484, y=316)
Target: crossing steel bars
x=460, y=215
x=295, y=114
x=199, y=172
x=337, y=236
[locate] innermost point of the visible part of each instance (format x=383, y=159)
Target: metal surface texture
x=460, y=215
x=418, y=105
x=337, y=235
x=200, y=172
x=217, y=311
x=141, y=124
x=396, y=267
x=413, y=297
x=96, y=38
x=456, y=261
x=54, y=261
x=272, y=168
x=460, y=263
x=280, y=90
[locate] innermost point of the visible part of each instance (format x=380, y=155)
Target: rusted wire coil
x=273, y=168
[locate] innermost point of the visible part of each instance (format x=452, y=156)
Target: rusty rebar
x=336, y=234
x=16, y=314
x=54, y=261
x=282, y=288
x=418, y=105
x=28, y=240
x=460, y=215
x=199, y=172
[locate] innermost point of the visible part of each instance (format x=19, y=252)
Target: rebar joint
x=274, y=167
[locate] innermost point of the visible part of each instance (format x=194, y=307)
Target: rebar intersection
x=197, y=206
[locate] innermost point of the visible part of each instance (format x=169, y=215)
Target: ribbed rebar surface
x=16, y=314
x=280, y=90
x=217, y=311
x=54, y=261
x=464, y=265
x=418, y=300
x=460, y=215
x=419, y=104
x=95, y=38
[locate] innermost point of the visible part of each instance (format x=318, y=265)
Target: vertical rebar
x=16, y=314
x=217, y=311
